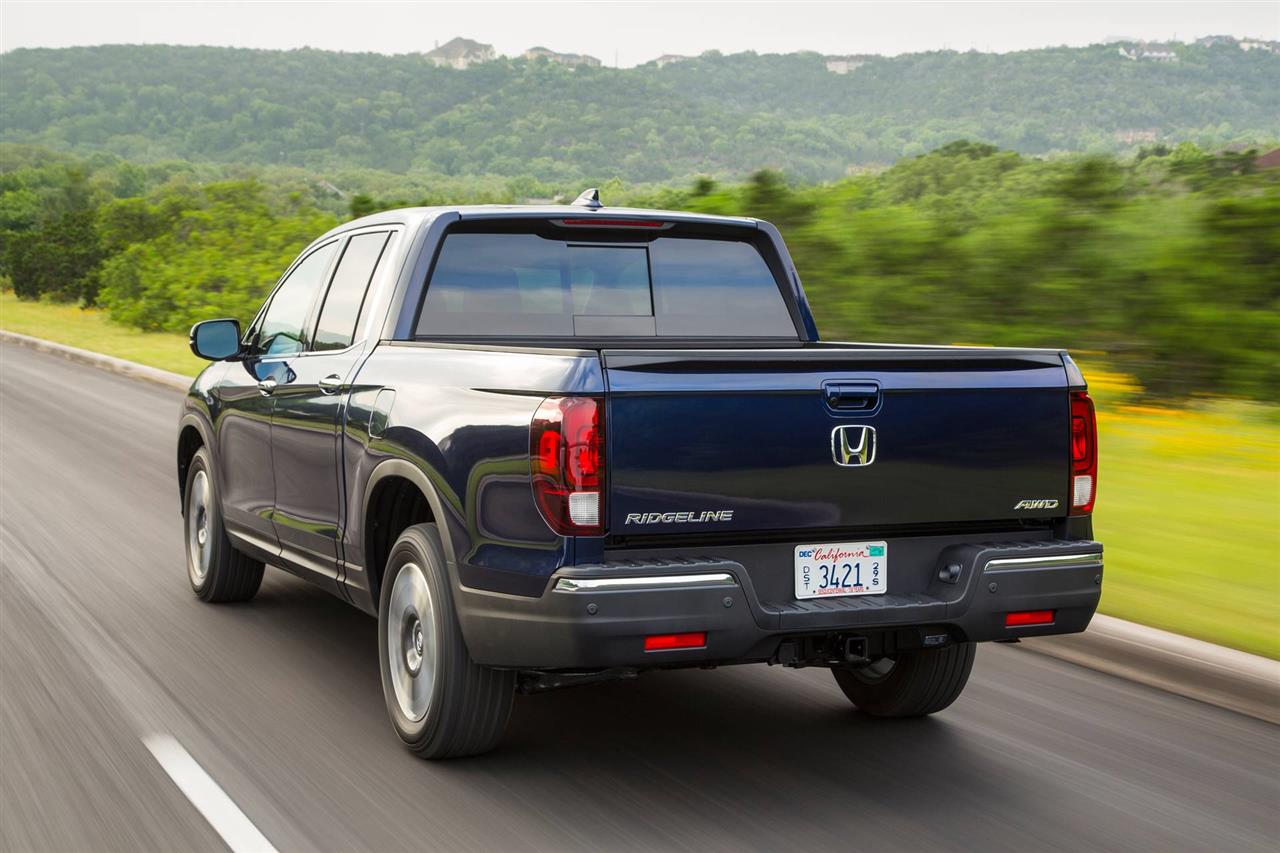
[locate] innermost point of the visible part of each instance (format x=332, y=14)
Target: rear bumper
x=598, y=616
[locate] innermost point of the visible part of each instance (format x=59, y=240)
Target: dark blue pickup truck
x=547, y=446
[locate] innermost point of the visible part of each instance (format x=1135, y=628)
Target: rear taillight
x=1084, y=454
x=566, y=449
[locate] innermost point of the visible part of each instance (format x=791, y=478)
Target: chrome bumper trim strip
x=1005, y=564
x=647, y=582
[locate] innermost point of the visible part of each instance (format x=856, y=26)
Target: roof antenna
x=589, y=199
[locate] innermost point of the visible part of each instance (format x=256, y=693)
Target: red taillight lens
x=1025, y=618
x=670, y=642
x=1084, y=454
x=566, y=450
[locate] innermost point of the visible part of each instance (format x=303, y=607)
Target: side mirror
x=215, y=339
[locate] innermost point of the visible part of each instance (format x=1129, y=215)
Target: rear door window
x=532, y=285
x=341, y=310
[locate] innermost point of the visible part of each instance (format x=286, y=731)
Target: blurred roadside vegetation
x=1161, y=272
x=1167, y=263
x=1189, y=512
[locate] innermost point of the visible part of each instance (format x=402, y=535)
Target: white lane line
x=210, y=800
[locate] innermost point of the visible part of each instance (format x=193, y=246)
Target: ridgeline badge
x=679, y=517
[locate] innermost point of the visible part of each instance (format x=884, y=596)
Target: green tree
x=59, y=260
x=725, y=116
x=219, y=259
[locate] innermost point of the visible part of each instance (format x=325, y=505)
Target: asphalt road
x=103, y=645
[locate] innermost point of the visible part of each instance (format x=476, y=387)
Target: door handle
x=267, y=386
x=852, y=396
x=330, y=384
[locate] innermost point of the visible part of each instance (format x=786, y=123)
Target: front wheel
x=909, y=684
x=441, y=703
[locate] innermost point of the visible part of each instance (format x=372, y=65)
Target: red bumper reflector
x=667, y=642
x=1022, y=618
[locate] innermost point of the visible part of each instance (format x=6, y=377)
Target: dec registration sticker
x=846, y=568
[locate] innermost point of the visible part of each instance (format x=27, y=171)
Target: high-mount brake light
x=613, y=223
x=566, y=451
x=1084, y=454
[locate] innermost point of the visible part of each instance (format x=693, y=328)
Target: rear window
x=532, y=285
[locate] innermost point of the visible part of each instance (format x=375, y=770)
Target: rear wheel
x=216, y=570
x=441, y=703
x=909, y=684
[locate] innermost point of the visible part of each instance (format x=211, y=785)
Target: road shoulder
x=119, y=366
x=1241, y=682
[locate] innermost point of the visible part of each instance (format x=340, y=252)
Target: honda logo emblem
x=853, y=446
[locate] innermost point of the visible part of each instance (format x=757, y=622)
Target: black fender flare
x=397, y=467
x=191, y=419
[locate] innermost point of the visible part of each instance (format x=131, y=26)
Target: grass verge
x=1189, y=513
x=90, y=329
x=1188, y=502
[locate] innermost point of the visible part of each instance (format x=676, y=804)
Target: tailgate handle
x=851, y=396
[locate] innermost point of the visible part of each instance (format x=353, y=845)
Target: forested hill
x=718, y=115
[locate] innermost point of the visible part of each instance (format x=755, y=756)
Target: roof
x=414, y=216
x=567, y=58
x=1270, y=160
x=458, y=47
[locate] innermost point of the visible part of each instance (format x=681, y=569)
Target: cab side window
x=286, y=317
x=342, y=304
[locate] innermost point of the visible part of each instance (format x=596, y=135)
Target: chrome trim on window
x=646, y=582
x=1006, y=564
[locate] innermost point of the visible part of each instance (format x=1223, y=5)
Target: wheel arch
x=193, y=433
x=386, y=511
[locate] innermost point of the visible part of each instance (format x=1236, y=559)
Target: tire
x=217, y=571
x=441, y=703
x=913, y=684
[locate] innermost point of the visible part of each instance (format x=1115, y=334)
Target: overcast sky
x=628, y=32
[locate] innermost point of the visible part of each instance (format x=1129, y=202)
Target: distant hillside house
x=460, y=53
x=1258, y=44
x=1148, y=53
x=845, y=64
x=1214, y=41
x=668, y=58
x=330, y=188
x=1270, y=160
x=571, y=59
x=1133, y=135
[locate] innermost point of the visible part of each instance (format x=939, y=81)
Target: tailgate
x=829, y=437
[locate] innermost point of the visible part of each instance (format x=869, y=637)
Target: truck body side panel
x=461, y=416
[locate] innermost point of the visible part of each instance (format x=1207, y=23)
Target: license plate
x=845, y=568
